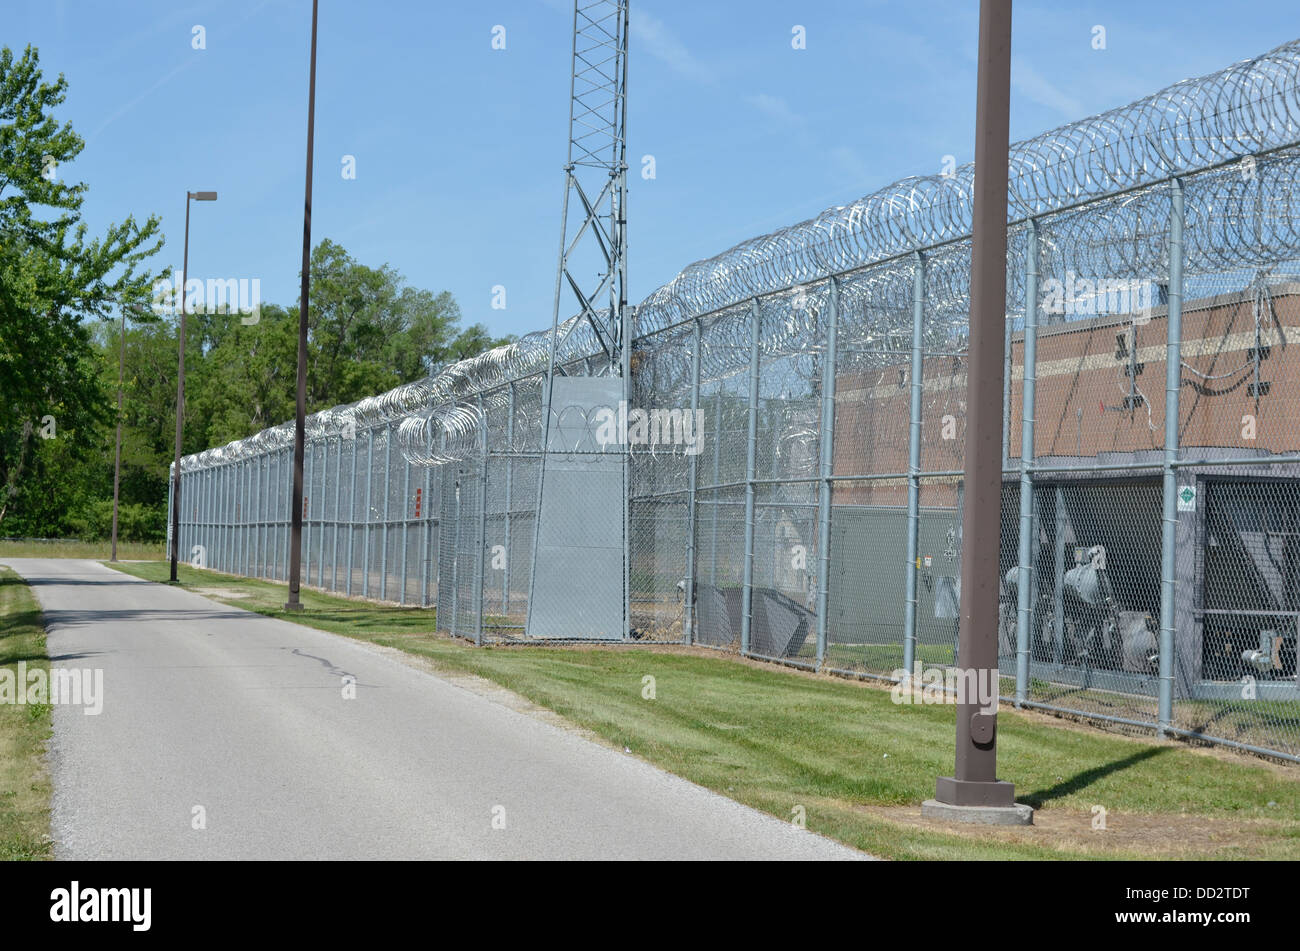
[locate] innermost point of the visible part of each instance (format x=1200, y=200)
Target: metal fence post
x=240, y=517
x=1058, y=579
x=221, y=527
x=510, y=468
x=1024, y=604
x=272, y=513
x=255, y=500
x=751, y=460
x=914, y=462
x=717, y=480
x=338, y=515
x=692, y=479
x=827, y=469
x=321, y=520
x=455, y=626
x=479, y=580
x=365, y=545
x=205, y=513
x=246, y=555
x=228, y=497
x=388, y=512
x=406, y=521
x=170, y=480
x=234, y=515
x=265, y=486
x=425, y=531
x=352, y=513
x=216, y=511
x=1169, y=527
x=213, y=530
x=309, y=491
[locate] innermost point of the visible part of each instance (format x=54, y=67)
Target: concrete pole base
x=293, y=606
x=1016, y=814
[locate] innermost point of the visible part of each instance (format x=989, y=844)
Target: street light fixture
x=180, y=384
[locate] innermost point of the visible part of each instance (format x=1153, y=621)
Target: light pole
x=973, y=792
x=300, y=415
x=180, y=383
x=117, y=451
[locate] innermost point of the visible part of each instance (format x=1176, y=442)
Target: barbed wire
x=1093, y=184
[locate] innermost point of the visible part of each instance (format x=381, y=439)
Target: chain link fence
x=808, y=506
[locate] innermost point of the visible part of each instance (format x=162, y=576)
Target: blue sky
x=459, y=147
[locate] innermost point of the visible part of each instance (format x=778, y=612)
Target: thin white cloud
x=774, y=107
x=1034, y=87
x=654, y=36
x=850, y=163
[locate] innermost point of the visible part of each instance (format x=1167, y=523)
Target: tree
x=369, y=331
x=52, y=281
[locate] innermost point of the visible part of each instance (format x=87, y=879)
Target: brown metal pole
x=975, y=782
x=117, y=452
x=180, y=401
x=300, y=416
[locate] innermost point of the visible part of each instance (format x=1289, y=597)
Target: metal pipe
x=304, y=501
x=388, y=512
x=827, y=467
x=320, y=519
x=245, y=555
x=406, y=523
x=352, y=514
x=751, y=461
x=482, y=526
x=692, y=479
x=338, y=515
x=1058, y=580
x=117, y=451
x=180, y=398
x=300, y=410
x=365, y=550
x=974, y=781
x=1169, y=522
x=510, y=471
x=426, y=529
x=1024, y=605
x=910, y=596
x=717, y=478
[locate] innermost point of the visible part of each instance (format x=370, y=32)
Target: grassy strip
x=854, y=761
x=24, y=730
x=72, y=548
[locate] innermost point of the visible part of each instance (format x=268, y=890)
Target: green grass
x=855, y=761
x=24, y=731
x=72, y=548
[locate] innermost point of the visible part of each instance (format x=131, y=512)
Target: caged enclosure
x=798, y=495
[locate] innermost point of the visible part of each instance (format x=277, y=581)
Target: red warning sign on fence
x=418, y=500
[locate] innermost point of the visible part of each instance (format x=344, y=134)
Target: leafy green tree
x=53, y=280
x=369, y=331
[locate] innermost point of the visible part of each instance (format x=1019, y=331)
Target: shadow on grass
x=1085, y=779
x=20, y=622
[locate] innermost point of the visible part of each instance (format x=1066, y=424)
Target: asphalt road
x=215, y=714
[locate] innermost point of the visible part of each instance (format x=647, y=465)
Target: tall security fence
x=795, y=434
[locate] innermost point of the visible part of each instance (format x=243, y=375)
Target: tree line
x=62, y=295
